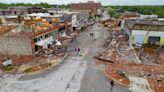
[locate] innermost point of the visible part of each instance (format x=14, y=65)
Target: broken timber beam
x=99, y=58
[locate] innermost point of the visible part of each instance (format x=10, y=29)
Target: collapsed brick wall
x=15, y=45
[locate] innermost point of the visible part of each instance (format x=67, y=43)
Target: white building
x=148, y=33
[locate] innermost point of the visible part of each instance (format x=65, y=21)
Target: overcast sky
x=104, y=2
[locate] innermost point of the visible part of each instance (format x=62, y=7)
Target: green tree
x=158, y=10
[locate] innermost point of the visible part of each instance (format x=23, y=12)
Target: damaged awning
x=58, y=43
x=45, y=42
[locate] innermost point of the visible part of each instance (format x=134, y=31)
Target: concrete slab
x=139, y=85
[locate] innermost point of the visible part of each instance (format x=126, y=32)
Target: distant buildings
x=84, y=13
x=126, y=16
x=149, y=17
x=130, y=15
x=55, y=10
x=20, y=10
x=90, y=7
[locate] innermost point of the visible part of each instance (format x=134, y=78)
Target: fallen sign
x=99, y=58
x=7, y=62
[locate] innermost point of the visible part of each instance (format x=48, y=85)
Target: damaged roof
x=17, y=30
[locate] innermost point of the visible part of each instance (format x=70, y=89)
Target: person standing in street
x=75, y=49
x=93, y=34
x=78, y=50
x=112, y=84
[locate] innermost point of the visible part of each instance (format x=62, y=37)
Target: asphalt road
x=93, y=80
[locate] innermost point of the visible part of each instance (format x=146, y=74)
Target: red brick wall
x=90, y=6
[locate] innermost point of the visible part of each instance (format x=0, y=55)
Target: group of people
x=91, y=34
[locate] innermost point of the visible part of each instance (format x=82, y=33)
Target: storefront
x=62, y=32
x=42, y=40
x=45, y=43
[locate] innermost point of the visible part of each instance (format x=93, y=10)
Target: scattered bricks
x=138, y=69
x=39, y=67
x=119, y=44
x=161, y=56
x=18, y=60
x=161, y=85
x=98, y=62
x=155, y=85
x=150, y=49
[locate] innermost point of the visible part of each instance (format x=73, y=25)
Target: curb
x=109, y=77
x=46, y=69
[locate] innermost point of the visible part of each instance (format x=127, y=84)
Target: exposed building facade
x=90, y=7
x=13, y=41
x=146, y=32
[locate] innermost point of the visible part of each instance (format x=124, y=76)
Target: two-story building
x=90, y=7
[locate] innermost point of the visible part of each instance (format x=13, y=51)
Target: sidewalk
x=56, y=81
x=7, y=79
x=39, y=68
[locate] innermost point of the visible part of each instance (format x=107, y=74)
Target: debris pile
x=139, y=70
x=123, y=60
x=156, y=84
